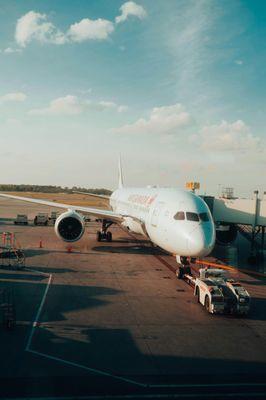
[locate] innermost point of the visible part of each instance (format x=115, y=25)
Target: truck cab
x=209, y=295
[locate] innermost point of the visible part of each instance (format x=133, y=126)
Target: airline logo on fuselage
x=140, y=199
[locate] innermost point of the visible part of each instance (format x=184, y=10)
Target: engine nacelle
x=70, y=226
x=225, y=234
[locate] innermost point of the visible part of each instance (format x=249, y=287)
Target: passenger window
x=204, y=217
x=180, y=215
x=192, y=216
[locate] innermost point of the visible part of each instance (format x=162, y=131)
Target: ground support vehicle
x=217, y=293
x=21, y=219
x=242, y=296
x=41, y=219
x=53, y=217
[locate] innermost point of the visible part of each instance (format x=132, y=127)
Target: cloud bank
x=165, y=119
x=13, y=97
x=73, y=105
x=235, y=136
x=34, y=26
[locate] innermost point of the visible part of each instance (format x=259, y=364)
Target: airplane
x=177, y=221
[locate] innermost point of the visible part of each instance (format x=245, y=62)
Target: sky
x=176, y=87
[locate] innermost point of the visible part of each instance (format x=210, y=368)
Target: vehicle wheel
x=207, y=303
x=198, y=295
x=99, y=236
x=109, y=236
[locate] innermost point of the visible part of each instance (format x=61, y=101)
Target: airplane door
x=156, y=213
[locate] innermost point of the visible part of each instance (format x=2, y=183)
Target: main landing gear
x=104, y=234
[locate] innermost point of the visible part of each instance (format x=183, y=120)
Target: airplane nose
x=200, y=241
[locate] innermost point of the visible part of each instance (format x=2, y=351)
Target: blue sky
x=176, y=87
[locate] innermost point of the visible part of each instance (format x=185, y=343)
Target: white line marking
x=136, y=383
x=97, y=371
x=37, y=272
x=35, y=324
x=36, y=321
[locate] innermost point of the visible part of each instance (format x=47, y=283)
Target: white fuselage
x=153, y=213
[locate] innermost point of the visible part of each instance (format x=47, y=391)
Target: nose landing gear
x=104, y=234
x=184, y=268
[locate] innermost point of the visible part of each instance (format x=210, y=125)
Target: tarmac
x=111, y=320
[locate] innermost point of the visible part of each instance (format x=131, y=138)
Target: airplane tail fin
x=120, y=181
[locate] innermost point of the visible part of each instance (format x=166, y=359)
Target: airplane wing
x=97, y=212
x=98, y=196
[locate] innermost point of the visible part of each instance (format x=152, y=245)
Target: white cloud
x=85, y=91
x=13, y=97
x=121, y=109
x=239, y=62
x=34, y=25
x=166, y=119
x=88, y=29
x=227, y=137
x=130, y=8
x=10, y=50
x=68, y=105
x=105, y=105
x=72, y=105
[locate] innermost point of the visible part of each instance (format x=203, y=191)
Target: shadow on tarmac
x=113, y=352
x=109, y=349
x=22, y=276
x=143, y=250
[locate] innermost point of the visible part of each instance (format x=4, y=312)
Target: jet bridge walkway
x=249, y=216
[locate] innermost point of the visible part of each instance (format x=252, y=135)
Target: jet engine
x=226, y=234
x=70, y=226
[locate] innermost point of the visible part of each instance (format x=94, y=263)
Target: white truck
x=21, y=219
x=41, y=219
x=217, y=293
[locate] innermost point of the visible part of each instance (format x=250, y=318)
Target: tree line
x=50, y=189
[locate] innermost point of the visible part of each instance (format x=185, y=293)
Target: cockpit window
x=192, y=216
x=204, y=217
x=180, y=215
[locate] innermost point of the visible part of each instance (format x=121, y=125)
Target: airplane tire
x=99, y=236
x=109, y=236
x=207, y=303
x=198, y=295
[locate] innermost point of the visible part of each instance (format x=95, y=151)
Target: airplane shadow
x=138, y=241
x=142, y=250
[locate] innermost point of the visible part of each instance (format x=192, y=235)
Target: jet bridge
x=250, y=213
